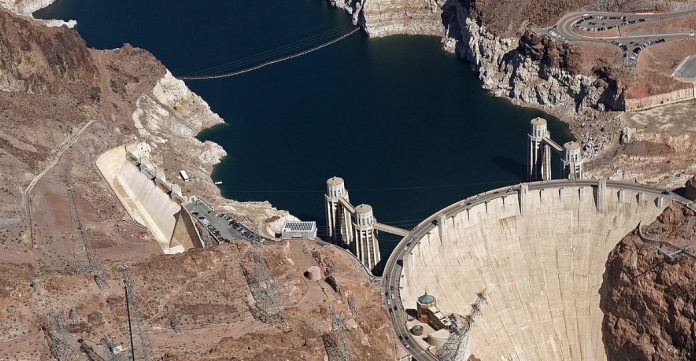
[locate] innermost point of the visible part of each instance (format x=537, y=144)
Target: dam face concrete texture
x=147, y=203
x=541, y=271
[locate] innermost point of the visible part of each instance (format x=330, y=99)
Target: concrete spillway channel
x=148, y=198
x=538, y=251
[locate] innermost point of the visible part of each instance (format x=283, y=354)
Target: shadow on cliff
x=511, y=166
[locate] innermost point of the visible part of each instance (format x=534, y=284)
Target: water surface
x=405, y=124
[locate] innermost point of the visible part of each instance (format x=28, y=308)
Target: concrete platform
x=686, y=71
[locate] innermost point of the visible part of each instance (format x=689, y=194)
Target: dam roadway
x=393, y=275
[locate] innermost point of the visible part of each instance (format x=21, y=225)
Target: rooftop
x=426, y=299
x=299, y=226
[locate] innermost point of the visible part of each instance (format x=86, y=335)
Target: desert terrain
x=63, y=104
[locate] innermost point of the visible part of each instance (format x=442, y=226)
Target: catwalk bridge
x=274, y=56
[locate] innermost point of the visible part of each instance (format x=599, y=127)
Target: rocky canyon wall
x=25, y=7
x=527, y=68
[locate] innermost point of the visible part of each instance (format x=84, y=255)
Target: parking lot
x=222, y=227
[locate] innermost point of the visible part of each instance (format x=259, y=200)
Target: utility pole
x=86, y=260
x=268, y=307
x=457, y=346
x=135, y=327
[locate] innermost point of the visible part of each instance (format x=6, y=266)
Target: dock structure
x=539, y=147
x=354, y=228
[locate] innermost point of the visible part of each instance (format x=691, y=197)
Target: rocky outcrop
x=649, y=299
x=25, y=7
x=41, y=60
x=157, y=123
x=532, y=69
x=528, y=68
x=690, y=191
x=389, y=17
x=201, y=305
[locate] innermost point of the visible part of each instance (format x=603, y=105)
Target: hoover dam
x=537, y=251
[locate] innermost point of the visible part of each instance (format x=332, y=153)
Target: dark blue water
x=405, y=124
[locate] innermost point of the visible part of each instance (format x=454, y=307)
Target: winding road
x=578, y=26
x=393, y=268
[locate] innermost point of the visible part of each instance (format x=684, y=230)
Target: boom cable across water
x=269, y=62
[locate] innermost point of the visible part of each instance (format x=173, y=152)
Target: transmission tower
x=268, y=308
x=89, y=352
x=336, y=342
x=141, y=349
x=86, y=261
x=457, y=346
x=110, y=346
x=54, y=331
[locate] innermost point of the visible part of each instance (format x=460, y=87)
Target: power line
x=378, y=189
x=271, y=53
x=271, y=62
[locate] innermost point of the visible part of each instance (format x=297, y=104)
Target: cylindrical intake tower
x=539, y=129
x=538, y=151
x=366, y=244
x=572, y=161
x=337, y=216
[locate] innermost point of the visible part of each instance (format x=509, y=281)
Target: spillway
x=539, y=254
x=148, y=201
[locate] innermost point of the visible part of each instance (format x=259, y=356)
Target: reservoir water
x=404, y=123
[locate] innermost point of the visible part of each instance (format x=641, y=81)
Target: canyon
x=580, y=82
x=62, y=106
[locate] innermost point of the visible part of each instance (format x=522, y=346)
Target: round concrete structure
x=538, y=251
x=313, y=273
x=364, y=216
x=539, y=128
x=572, y=152
x=335, y=187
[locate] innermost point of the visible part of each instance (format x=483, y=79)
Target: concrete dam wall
x=149, y=201
x=541, y=267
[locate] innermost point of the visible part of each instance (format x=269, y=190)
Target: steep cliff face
x=525, y=67
x=389, y=17
x=691, y=188
x=531, y=68
x=649, y=300
x=25, y=7
x=38, y=59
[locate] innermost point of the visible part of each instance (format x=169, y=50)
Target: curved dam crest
x=539, y=255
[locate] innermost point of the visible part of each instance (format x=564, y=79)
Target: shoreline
x=168, y=95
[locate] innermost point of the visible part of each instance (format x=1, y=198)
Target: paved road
x=392, y=270
x=579, y=26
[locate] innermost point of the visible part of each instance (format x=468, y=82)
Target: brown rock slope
x=62, y=105
x=649, y=301
x=198, y=306
x=53, y=86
